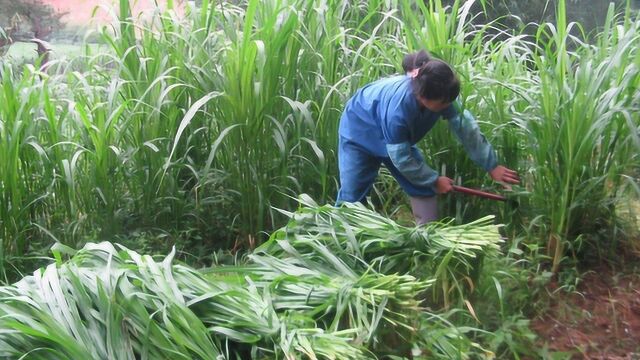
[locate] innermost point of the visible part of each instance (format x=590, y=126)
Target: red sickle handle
x=475, y=192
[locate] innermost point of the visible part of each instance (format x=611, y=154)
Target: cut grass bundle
x=304, y=298
x=352, y=240
x=105, y=304
x=94, y=307
x=342, y=302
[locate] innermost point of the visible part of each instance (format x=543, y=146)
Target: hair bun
x=415, y=60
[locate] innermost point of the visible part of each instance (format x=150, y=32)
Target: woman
x=384, y=120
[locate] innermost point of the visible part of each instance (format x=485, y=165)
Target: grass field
x=20, y=52
x=194, y=137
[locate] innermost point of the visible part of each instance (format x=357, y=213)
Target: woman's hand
x=444, y=185
x=505, y=176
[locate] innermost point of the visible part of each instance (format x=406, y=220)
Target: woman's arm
x=466, y=129
x=410, y=166
x=479, y=149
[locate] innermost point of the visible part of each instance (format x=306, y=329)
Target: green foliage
x=292, y=300
x=204, y=124
x=193, y=130
x=584, y=124
x=439, y=248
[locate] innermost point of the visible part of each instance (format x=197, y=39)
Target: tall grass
x=583, y=134
x=203, y=124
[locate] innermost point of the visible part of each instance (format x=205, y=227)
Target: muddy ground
x=601, y=320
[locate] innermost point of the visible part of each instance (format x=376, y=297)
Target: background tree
x=518, y=14
x=29, y=21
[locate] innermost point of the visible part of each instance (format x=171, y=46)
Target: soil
x=601, y=320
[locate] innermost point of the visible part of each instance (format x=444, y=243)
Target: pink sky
x=80, y=10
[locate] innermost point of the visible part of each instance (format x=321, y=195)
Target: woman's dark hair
x=415, y=60
x=435, y=80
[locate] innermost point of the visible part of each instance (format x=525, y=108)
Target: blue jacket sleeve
x=413, y=169
x=468, y=132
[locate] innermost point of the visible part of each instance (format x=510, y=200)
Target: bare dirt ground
x=601, y=320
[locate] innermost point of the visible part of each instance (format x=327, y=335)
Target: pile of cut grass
x=335, y=283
